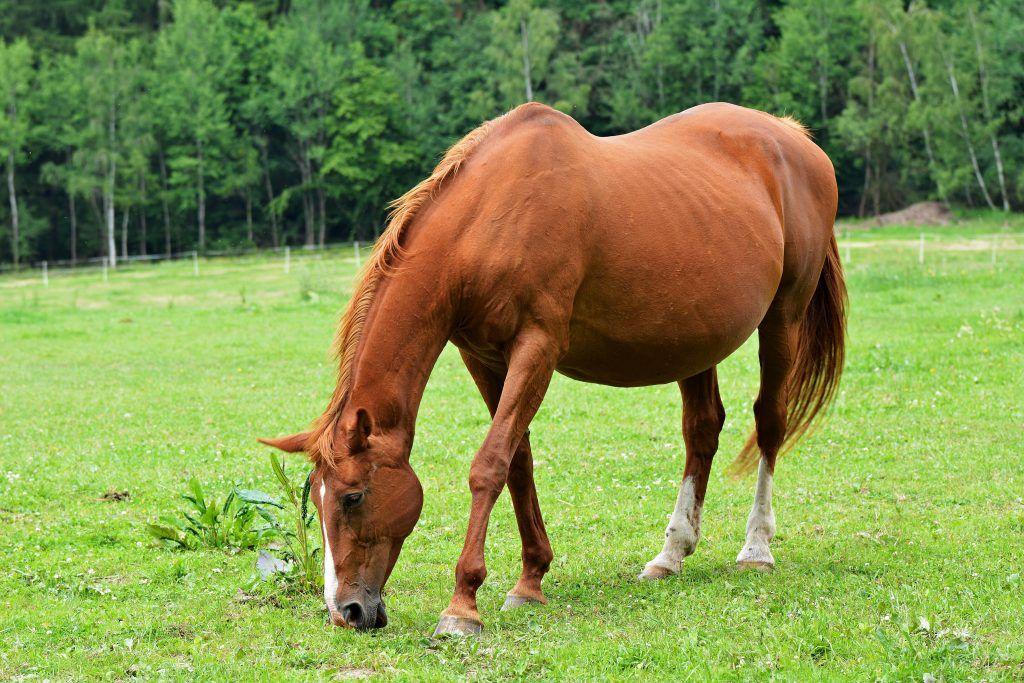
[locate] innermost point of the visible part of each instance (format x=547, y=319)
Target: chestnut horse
x=632, y=260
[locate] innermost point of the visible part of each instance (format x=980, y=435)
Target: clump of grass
x=290, y=523
x=250, y=519
x=233, y=524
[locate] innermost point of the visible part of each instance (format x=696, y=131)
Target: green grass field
x=901, y=520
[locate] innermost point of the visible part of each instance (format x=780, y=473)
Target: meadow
x=900, y=520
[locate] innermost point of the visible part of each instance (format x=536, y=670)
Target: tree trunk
x=526, y=59
x=993, y=134
x=108, y=198
x=912, y=77
x=142, y=213
x=163, y=200
x=201, y=188
x=307, y=203
x=124, y=233
x=966, y=134
x=248, y=215
x=268, y=185
x=12, y=195
x=321, y=200
x=108, y=207
x=73, y=213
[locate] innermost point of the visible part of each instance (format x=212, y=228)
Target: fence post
x=195, y=263
x=46, y=275
x=287, y=259
x=104, y=268
x=355, y=248
x=847, y=259
x=920, y=250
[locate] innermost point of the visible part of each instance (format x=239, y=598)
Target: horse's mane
x=796, y=125
x=386, y=252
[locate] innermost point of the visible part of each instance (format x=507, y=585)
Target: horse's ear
x=293, y=443
x=359, y=433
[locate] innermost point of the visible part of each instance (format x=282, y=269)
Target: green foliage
x=206, y=522
x=262, y=123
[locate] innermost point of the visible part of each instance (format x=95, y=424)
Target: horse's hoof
x=757, y=565
x=458, y=627
x=655, y=572
x=512, y=601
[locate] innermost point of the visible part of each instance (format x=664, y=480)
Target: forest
x=147, y=127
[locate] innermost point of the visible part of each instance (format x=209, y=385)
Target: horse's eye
x=351, y=500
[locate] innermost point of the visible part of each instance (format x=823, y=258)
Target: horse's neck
x=406, y=328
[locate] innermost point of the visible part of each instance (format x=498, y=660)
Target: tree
x=193, y=59
x=304, y=78
x=16, y=82
x=522, y=44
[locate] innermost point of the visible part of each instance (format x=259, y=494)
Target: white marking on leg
x=761, y=523
x=330, y=576
x=682, y=532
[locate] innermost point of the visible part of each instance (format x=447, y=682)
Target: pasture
x=900, y=520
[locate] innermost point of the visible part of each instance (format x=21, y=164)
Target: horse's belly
x=667, y=327
x=649, y=358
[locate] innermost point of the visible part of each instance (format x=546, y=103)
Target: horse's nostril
x=352, y=613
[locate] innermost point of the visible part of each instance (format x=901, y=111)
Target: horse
x=536, y=247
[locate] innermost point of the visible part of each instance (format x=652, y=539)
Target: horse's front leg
x=530, y=366
x=521, y=488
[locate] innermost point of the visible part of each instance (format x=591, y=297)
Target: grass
x=901, y=522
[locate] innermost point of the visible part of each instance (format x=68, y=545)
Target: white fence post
x=920, y=250
x=195, y=263
x=287, y=259
x=46, y=275
x=355, y=248
x=104, y=268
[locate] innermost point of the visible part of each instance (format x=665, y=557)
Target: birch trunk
x=201, y=189
x=108, y=193
x=993, y=136
x=12, y=196
x=307, y=203
x=163, y=202
x=124, y=233
x=321, y=201
x=526, y=60
x=142, y=214
x=966, y=134
x=248, y=215
x=268, y=185
x=916, y=94
x=73, y=213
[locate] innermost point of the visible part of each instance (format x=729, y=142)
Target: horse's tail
x=818, y=364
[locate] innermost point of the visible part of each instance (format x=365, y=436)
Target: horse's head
x=369, y=500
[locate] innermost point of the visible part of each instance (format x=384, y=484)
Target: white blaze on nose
x=330, y=576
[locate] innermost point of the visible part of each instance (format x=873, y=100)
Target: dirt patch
x=922, y=213
x=115, y=496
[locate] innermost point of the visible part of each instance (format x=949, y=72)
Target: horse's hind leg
x=776, y=339
x=703, y=417
x=537, y=553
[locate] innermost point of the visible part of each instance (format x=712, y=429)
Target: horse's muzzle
x=361, y=614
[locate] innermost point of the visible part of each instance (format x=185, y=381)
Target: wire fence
x=921, y=250
x=67, y=266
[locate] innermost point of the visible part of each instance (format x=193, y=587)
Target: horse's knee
x=486, y=481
